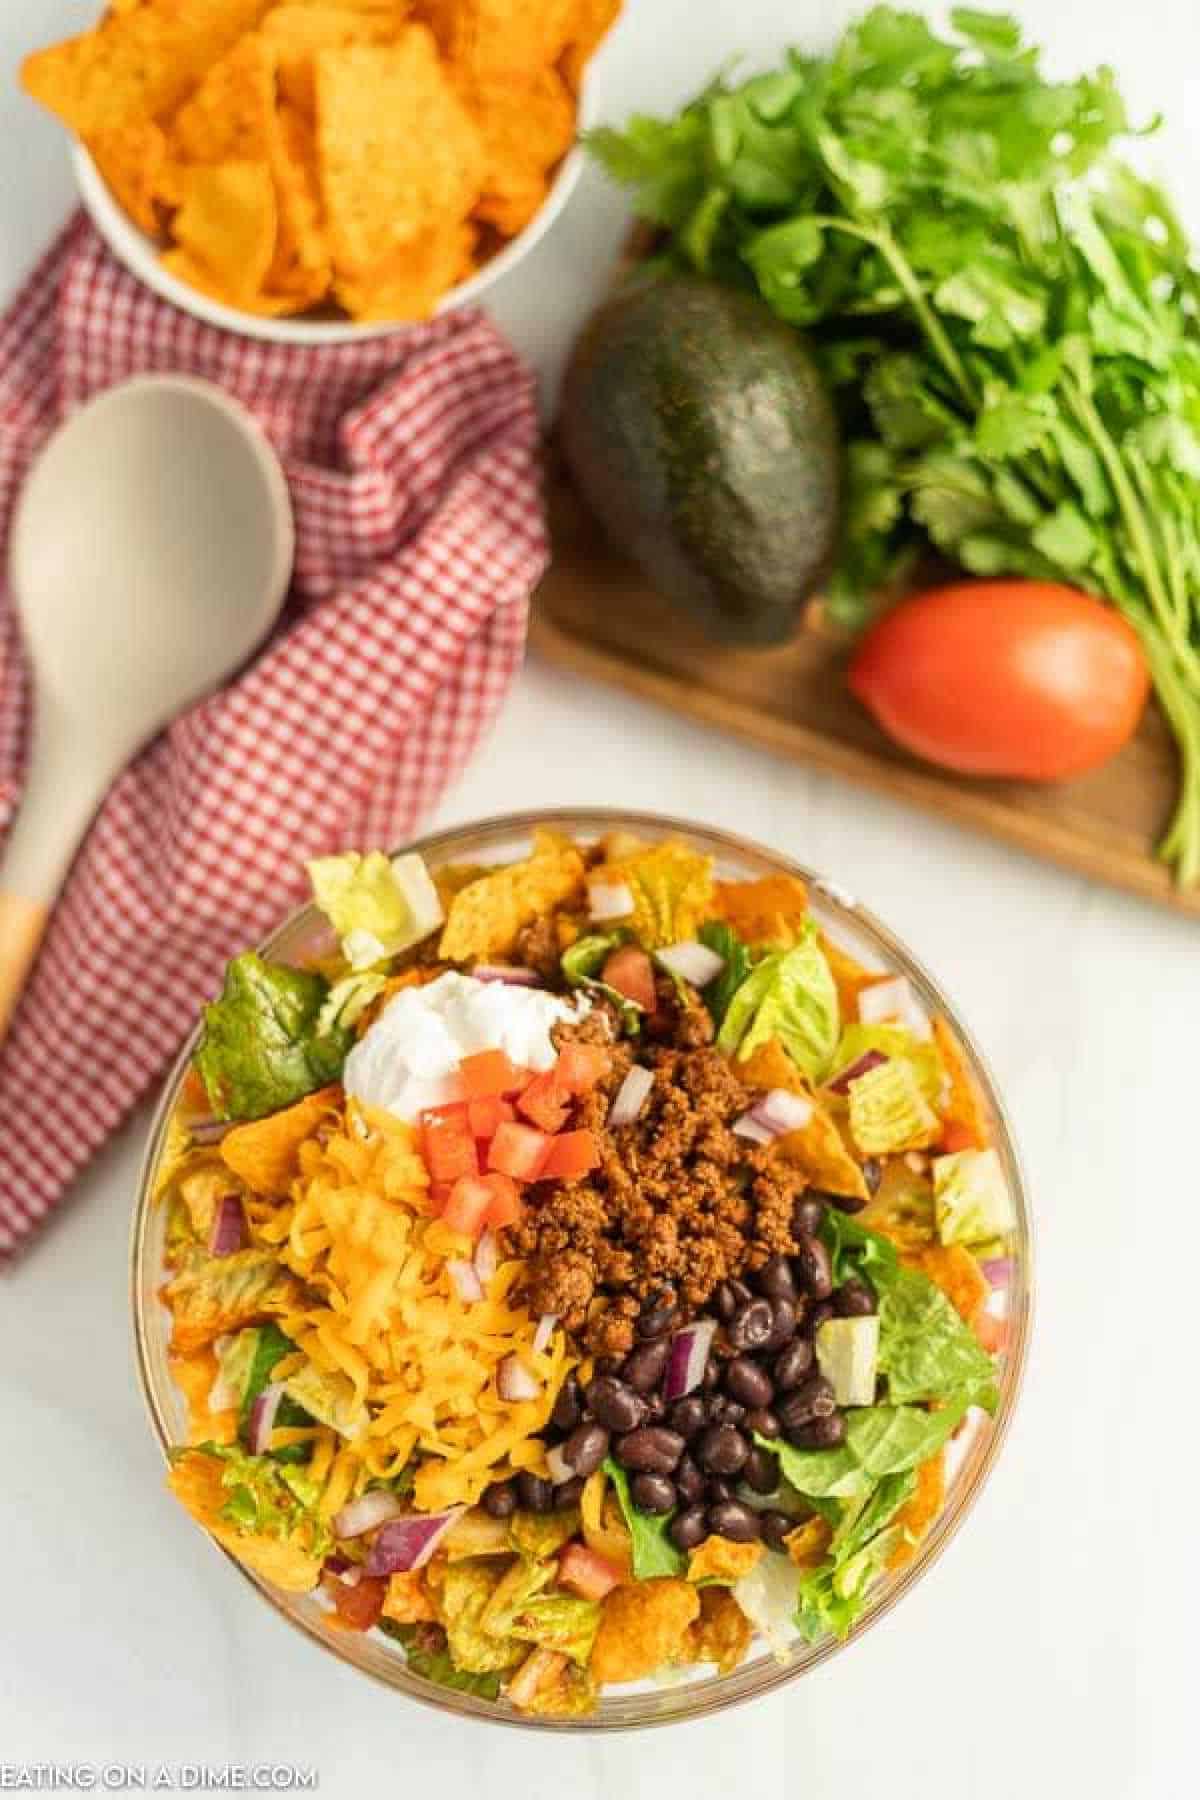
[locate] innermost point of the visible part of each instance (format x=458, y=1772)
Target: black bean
x=813, y=1399
x=688, y=1416
x=763, y=1422
x=751, y=1325
x=762, y=1470
x=568, y=1493
x=848, y=1203
x=747, y=1382
x=608, y=1365
x=775, y=1527
x=534, y=1494
x=716, y=1489
x=814, y=1270
x=775, y=1279
x=732, y=1519
x=741, y=1293
x=688, y=1529
x=652, y=1493
x=785, y=1317
x=656, y=1409
x=586, y=1448
x=853, y=1300
x=820, y=1434
x=614, y=1404
x=722, y=1450
x=643, y=1367
x=723, y=1302
x=689, y=1481
x=568, y=1408
x=872, y=1174
x=807, y=1214
x=816, y=1316
x=792, y=1364
x=500, y=1500
x=652, y=1448
x=659, y=1314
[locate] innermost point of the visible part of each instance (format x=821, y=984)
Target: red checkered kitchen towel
x=412, y=464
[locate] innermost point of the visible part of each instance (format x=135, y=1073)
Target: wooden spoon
x=151, y=551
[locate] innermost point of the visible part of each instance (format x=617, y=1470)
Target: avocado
x=698, y=428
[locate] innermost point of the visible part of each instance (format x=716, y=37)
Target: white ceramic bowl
x=140, y=254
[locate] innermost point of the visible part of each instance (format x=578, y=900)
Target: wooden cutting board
x=594, y=613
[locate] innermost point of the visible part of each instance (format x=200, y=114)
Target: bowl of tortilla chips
x=311, y=171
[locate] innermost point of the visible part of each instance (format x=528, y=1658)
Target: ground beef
x=678, y=1199
x=537, y=947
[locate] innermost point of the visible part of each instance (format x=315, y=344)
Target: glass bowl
x=304, y=936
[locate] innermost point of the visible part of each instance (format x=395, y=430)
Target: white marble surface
x=1052, y=1650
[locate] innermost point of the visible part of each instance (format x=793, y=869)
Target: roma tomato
x=630, y=971
x=1004, y=678
x=359, y=1607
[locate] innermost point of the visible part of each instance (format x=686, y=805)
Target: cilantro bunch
x=1005, y=311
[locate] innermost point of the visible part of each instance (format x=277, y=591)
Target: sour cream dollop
x=405, y=1061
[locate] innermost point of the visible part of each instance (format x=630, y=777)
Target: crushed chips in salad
x=386, y=1324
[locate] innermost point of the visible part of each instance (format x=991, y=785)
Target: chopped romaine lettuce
x=267, y=1498
x=261, y=1048
x=854, y=1250
x=971, y=1197
x=327, y=1398
x=722, y=938
x=377, y=905
x=672, y=892
x=462, y=1598
x=899, y=1045
x=880, y=1440
x=848, y=1355
x=888, y=1111
x=789, y=995
x=653, y=1552
x=542, y=1534
x=427, y=1655
x=831, y=1598
x=559, y=1621
x=235, y=1359
x=926, y=1350
x=581, y=966
x=348, y=1000
x=267, y=1346
x=768, y=1595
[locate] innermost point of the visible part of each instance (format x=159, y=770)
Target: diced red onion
x=998, y=1271
x=753, y=1129
x=408, y=1543
x=340, y=1568
x=688, y=1358
x=228, y=1231
x=780, y=1111
x=464, y=1278
x=692, y=962
x=505, y=972
x=209, y=1131
x=544, y=1332
x=373, y=1508
x=862, y=1065
x=886, y=1002
x=515, y=1382
x=560, y=1469
x=487, y=1256
x=262, y=1417
x=609, y=900
x=632, y=1095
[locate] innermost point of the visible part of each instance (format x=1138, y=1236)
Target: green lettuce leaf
x=428, y=1655
x=899, y=1045
x=261, y=1049
x=856, y=1251
x=880, y=1440
x=653, y=1552
x=378, y=905
x=971, y=1197
x=466, y=1589
x=738, y=961
x=562, y=1622
x=267, y=1345
x=790, y=995
x=926, y=1350
x=581, y=966
x=268, y=1498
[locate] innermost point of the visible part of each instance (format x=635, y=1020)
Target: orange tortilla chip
x=138, y=63
x=485, y=917
x=719, y=1559
x=134, y=161
x=591, y=23
x=265, y=1152
x=399, y=154
x=294, y=32
x=722, y=1634
x=965, y=1107
x=808, y=1544
x=410, y=282
x=300, y=271
x=819, y=1149
x=953, y=1269
x=920, y=1509
x=407, y=1600
x=643, y=1627
x=849, y=976
x=231, y=116
x=194, y=1376
x=526, y=132
x=225, y=230
x=499, y=41
x=770, y=910
x=195, y=1481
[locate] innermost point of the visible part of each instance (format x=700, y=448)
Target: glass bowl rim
x=585, y=821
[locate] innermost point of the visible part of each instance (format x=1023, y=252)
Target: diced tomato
x=448, y=1145
x=467, y=1208
x=487, y=1074
x=630, y=971
x=505, y=1208
x=582, y=1572
x=519, y=1151
x=572, y=1154
x=193, y=1093
x=991, y=1332
x=359, y=1606
x=544, y=1102
x=486, y=1115
x=956, y=1136
x=580, y=1067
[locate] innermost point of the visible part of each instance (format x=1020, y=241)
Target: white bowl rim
x=140, y=255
